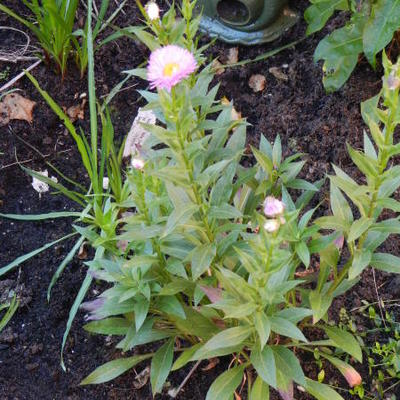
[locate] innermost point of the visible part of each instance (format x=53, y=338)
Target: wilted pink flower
x=137, y=163
x=273, y=207
x=271, y=225
x=169, y=65
x=352, y=376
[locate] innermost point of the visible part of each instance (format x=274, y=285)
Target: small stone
x=257, y=83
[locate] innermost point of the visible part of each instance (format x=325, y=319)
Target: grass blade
x=78, y=301
x=63, y=264
x=33, y=253
x=38, y=217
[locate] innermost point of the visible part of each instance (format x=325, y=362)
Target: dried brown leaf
x=212, y=363
x=14, y=106
x=278, y=74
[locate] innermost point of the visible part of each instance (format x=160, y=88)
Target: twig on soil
x=19, y=76
x=174, y=393
x=32, y=159
x=20, y=53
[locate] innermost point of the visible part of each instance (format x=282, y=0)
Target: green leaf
x=264, y=363
x=224, y=211
x=320, y=11
x=386, y=262
x=161, y=365
x=339, y=205
x=286, y=328
x=38, y=217
x=303, y=253
x=320, y=304
x=321, y=391
x=263, y=327
x=171, y=305
x=141, y=308
x=288, y=364
x=179, y=217
x=361, y=261
x=113, y=369
x=340, y=51
x=202, y=257
x=108, y=326
x=368, y=166
x=358, y=228
x=264, y=161
x=140, y=233
x=185, y=357
x=260, y=390
x=63, y=264
x=230, y=337
x=224, y=386
x=379, y=30
x=345, y=341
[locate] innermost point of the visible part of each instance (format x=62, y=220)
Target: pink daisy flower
x=169, y=65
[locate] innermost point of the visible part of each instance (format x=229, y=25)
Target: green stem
x=382, y=165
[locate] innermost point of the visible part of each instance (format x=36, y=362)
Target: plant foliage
x=371, y=27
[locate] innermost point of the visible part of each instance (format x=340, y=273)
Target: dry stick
x=173, y=395
x=378, y=298
x=19, y=76
x=17, y=55
x=32, y=159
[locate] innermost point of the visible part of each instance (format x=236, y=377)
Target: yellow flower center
x=170, y=69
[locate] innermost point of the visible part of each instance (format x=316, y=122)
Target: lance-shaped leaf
x=224, y=386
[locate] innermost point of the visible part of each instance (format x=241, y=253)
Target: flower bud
x=273, y=207
x=137, y=163
x=152, y=10
x=271, y=225
x=352, y=376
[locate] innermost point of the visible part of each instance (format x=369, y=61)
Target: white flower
x=271, y=225
x=137, y=163
x=152, y=10
x=40, y=186
x=106, y=183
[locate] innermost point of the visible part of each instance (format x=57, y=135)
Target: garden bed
x=293, y=104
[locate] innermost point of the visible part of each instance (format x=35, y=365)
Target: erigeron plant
x=214, y=247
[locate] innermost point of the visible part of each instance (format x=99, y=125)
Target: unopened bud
x=137, y=163
x=152, y=10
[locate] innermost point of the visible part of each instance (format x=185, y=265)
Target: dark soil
x=308, y=120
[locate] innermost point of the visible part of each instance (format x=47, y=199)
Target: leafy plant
x=371, y=27
x=207, y=263
x=382, y=350
x=53, y=24
x=100, y=208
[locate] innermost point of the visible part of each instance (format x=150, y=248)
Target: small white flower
x=152, y=10
x=137, y=163
x=393, y=82
x=271, y=225
x=106, y=183
x=40, y=186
